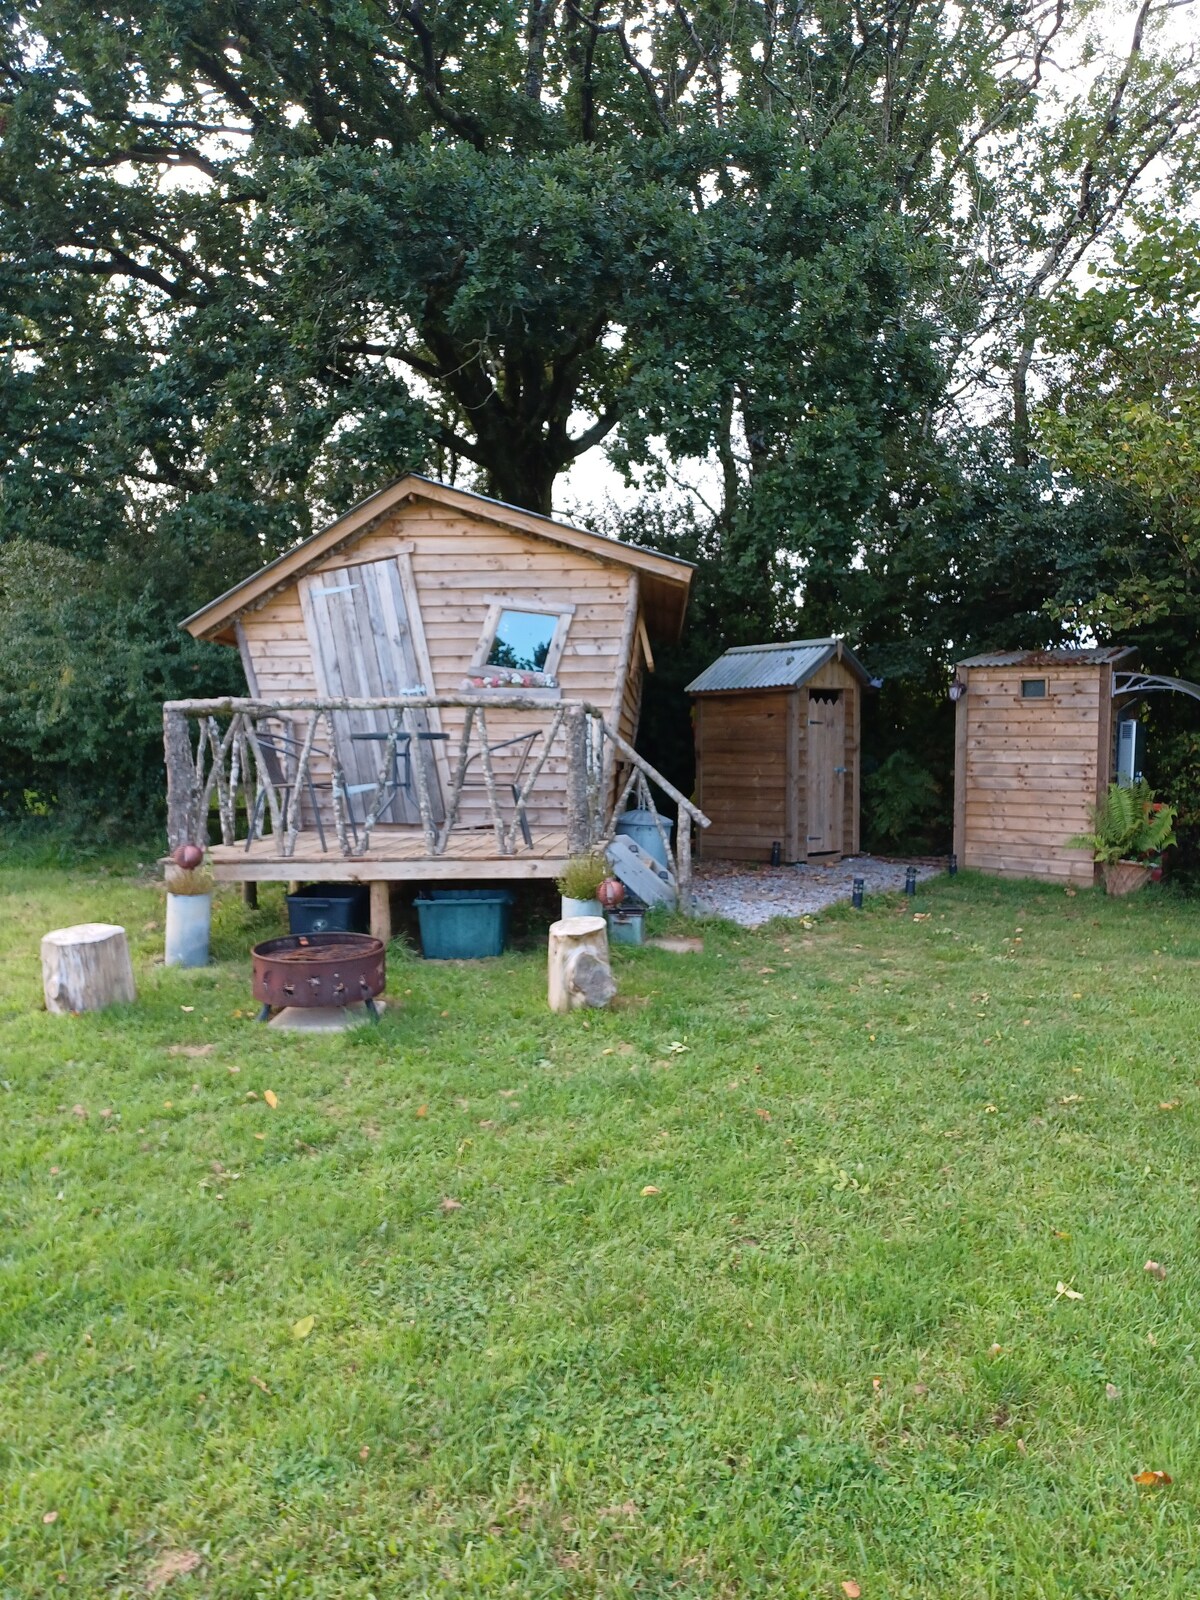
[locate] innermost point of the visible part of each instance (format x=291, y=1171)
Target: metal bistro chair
x=527, y=742
x=281, y=755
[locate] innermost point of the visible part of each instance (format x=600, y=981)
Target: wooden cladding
x=1032, y=754
x=780, y=766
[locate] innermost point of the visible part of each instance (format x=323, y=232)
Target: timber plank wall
x=458, y=567
x=1027, y=770
x=752, y=769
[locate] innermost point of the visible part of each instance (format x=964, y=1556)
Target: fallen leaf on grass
x=650, y=1189
x=304, y=1327
x=421, y=1111
x=1151, y=1480
x=79, y=1111
x=994, y=1350
x=187, y=1008
x=1168, y=1105
x=364, y=1452
x=1111, y=1391
x=627, y=1509
x=451, y=1204
x=260, y=1136
x=271, y=1098
x=191, y=1049
x=676, y=1047
x=259, y=1384
x=1156, y=1270
x=173, y=1564
x=1063, y=1293
x=759, y=1112
x=1070, y=1099
x=49, y=1517
x=850, y=1589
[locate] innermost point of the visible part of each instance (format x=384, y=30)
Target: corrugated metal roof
x=1093, y=655
x=772, y=666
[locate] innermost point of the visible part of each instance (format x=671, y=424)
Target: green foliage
x=903, y=805
x=86, y=660
x=582, y=876
x=1127, y=825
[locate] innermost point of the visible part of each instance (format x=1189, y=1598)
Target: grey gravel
x=750, y=895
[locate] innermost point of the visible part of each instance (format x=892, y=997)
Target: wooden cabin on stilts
x=438, y=687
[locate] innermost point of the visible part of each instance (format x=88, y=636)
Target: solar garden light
x=856, y=894
x=910, y=881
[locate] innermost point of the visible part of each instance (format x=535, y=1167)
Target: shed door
x=826, y=775
x=367, y=642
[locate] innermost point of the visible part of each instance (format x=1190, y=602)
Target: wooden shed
x=777, y=730
x=1035, y=746
x=489, y=623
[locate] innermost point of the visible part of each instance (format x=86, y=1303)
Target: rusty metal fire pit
x=319, y=969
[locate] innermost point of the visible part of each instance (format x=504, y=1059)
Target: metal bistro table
x=401, y=751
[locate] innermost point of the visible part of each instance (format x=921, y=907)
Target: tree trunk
x=579, y=971
x=86, y=968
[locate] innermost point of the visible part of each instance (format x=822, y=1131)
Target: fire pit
x=319, y=969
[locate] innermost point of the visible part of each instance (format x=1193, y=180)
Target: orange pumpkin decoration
x=611, y=893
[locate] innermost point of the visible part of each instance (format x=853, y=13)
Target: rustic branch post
x=683, y=862
x=579, y=834
x=181, y=778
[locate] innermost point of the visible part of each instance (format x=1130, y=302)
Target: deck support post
x=181, y=778
x=579, y=833
x=381, y=911
x=250, y=895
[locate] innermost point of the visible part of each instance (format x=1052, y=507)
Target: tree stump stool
x=86, y=968
x=579, y=971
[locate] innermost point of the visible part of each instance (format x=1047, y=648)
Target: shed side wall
x=741, y=770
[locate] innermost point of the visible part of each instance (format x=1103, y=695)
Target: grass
x=829, y=1349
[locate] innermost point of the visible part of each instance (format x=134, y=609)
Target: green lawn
x=828, y=1347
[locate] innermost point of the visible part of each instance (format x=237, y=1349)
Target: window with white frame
x=520, y=646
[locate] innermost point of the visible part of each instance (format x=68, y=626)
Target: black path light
x=910, y=881
x=856, y=894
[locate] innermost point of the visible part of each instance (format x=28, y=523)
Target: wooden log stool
x=86, y=968
x=580, y=974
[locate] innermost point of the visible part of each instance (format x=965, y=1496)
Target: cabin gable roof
x=666, y=580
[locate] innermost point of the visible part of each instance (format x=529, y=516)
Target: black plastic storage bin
x=330, y=908
x=464, y=924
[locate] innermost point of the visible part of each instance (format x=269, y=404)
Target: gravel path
x=750, y=895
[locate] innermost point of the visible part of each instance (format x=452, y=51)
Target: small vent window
x=1033, y=688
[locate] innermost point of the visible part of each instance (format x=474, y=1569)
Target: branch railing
x=218, y=752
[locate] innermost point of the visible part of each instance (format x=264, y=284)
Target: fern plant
x=1127, y=825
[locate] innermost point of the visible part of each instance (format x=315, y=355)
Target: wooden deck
x=396, y=855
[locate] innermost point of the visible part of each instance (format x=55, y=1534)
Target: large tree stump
x=86, y=968
x=579, y=971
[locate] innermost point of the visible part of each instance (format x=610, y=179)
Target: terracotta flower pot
x=1123, y=877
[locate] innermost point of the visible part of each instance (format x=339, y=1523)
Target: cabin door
x=826, y=770
x=367, y=642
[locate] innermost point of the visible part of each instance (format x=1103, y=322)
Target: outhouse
x=777, y=732
x=1038, y=735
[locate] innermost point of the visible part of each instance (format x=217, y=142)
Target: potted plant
x=189, y=908
x=579, y=884
x=1130, y=830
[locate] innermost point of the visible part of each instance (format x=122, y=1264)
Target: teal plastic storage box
x=463, y=924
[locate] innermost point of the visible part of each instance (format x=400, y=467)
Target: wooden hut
x=777, y=730
x=473, y=656
x=1035, y=747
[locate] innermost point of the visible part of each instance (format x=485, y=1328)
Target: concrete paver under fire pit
x=751, y=895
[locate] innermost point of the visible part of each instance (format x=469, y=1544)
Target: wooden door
x=367, y=642
x=826, y=770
